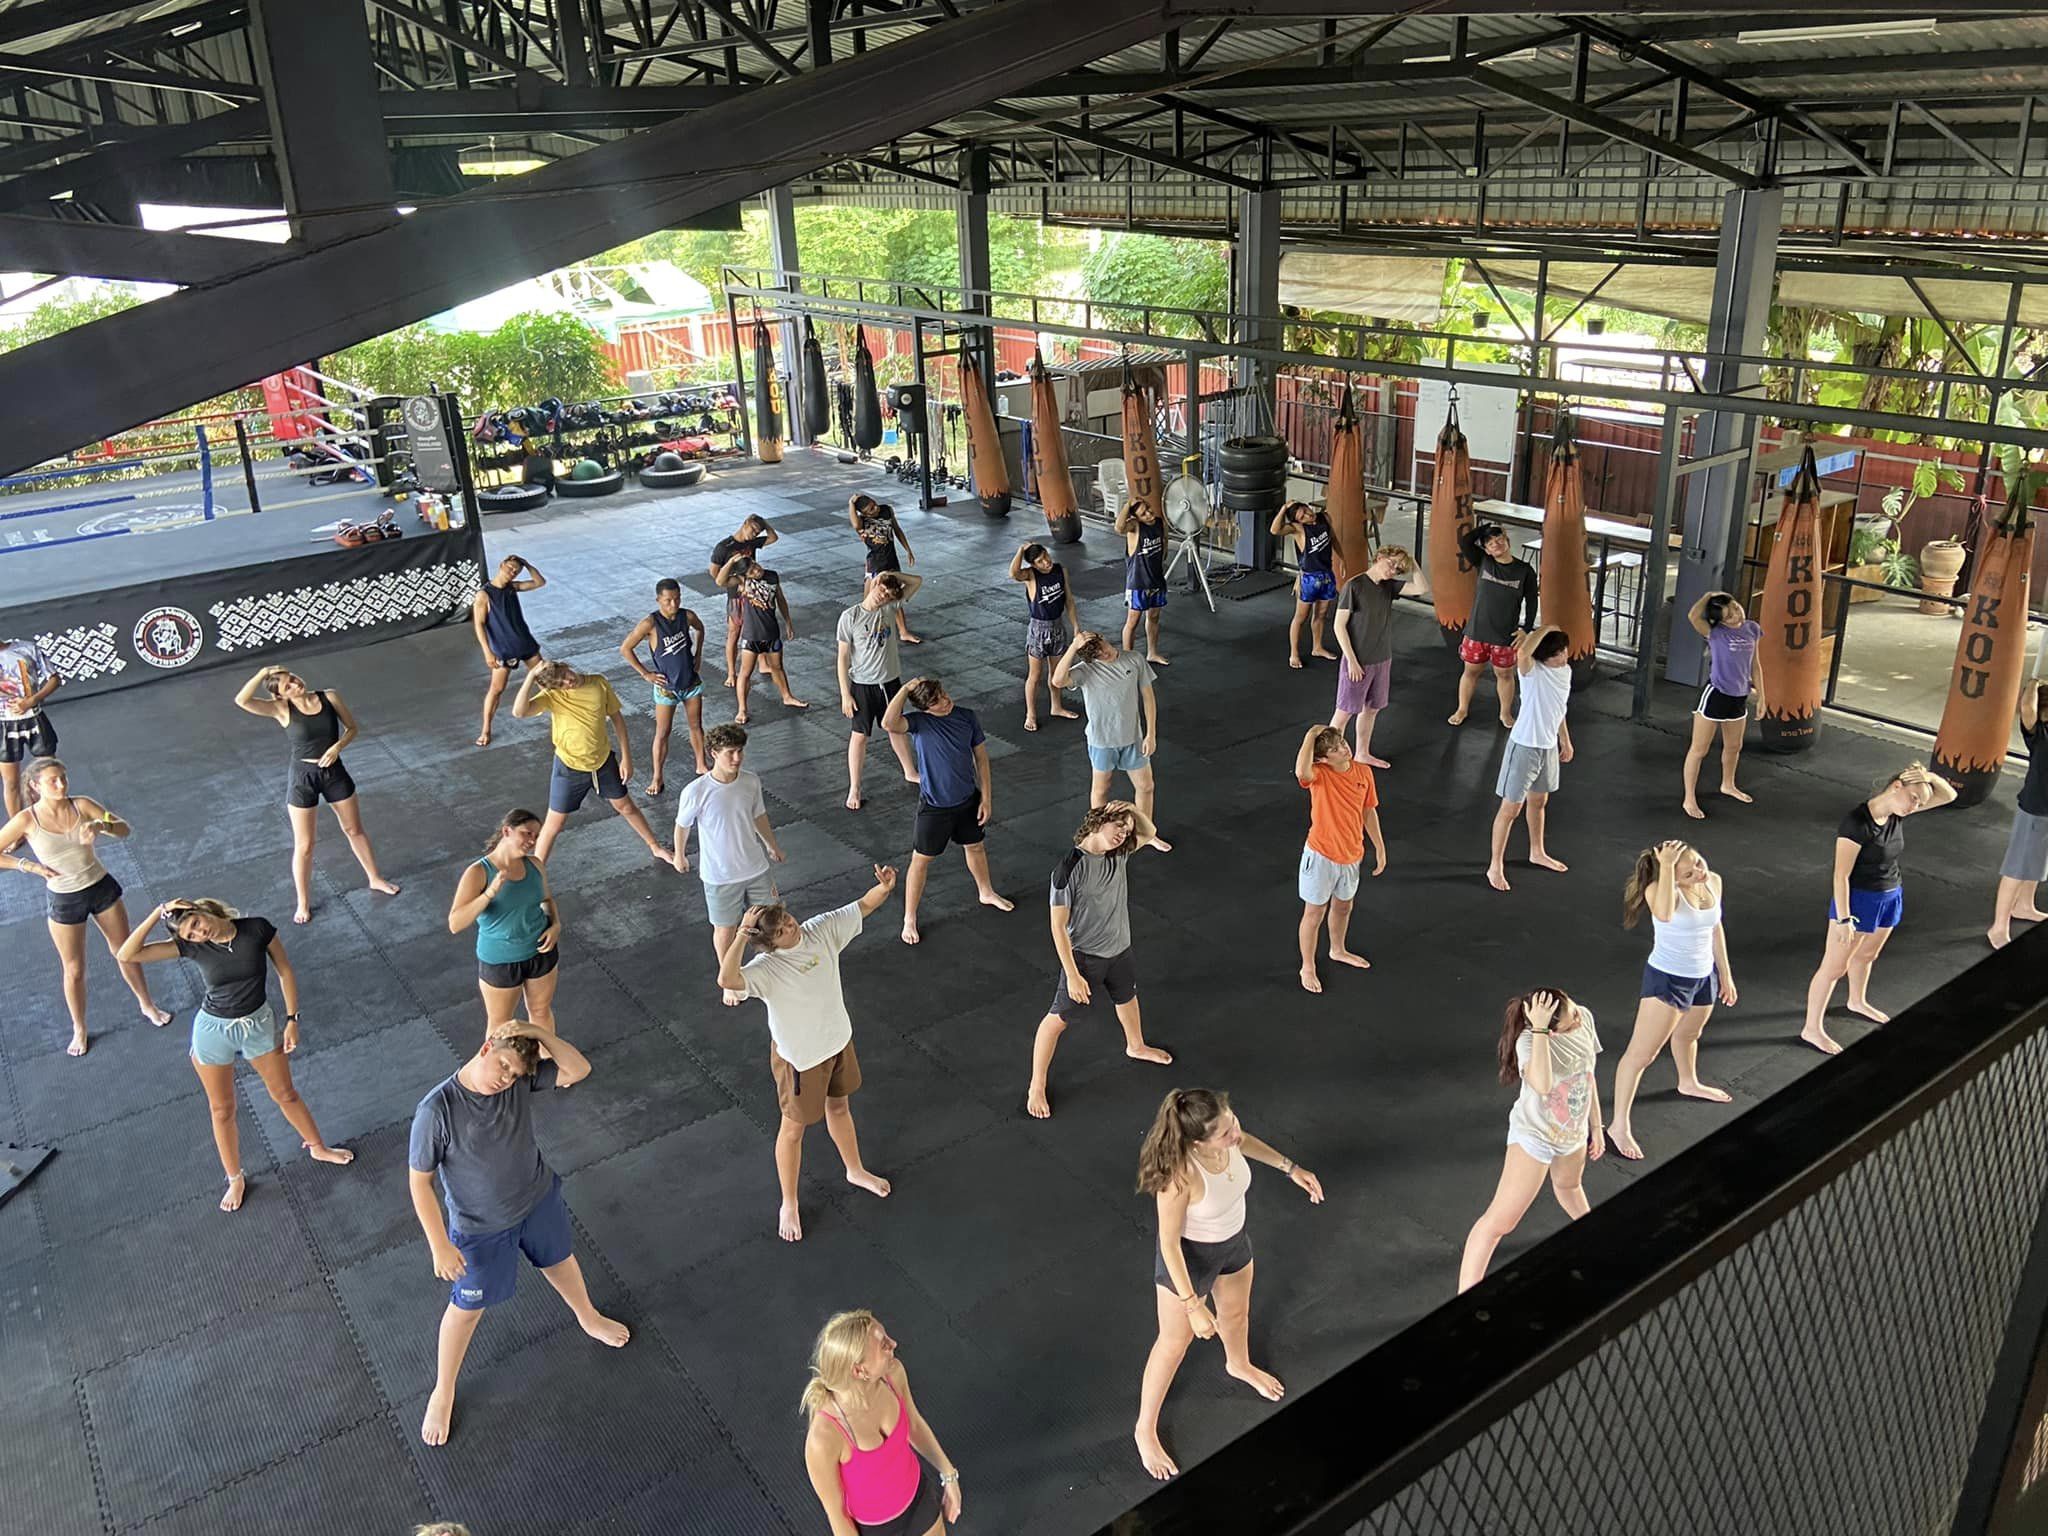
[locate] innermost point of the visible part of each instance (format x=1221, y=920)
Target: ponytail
x=1186, y=1116
x=1516, y=1019
x=1635, y=894
x=511, y=822
x=842, y=1344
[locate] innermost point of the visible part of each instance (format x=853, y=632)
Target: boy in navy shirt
x=955, y=796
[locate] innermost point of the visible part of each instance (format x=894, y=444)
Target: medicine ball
x=667, y=461
x=586, y=469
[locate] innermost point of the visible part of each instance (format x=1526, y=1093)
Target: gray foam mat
x=354, y=1087
x=645, y=1087
x=139, y=1165
x=359, y=1210
x=361, y=1481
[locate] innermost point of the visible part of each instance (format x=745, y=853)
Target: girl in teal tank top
x=511, y=923
x=518, y=925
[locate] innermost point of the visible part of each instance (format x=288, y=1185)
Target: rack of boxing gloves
x=528, y=442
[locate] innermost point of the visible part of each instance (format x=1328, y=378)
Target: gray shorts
x=2026, y=851
x=727, y=904
x=1324, y=879
x=1045, y=637
x=1526, y=771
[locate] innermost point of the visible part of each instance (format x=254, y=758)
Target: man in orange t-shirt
x=1343, y=811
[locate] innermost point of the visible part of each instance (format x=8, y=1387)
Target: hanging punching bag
x=1790, y=612
x=767, y=404
x=1564, y=598
x=1344, y=507
x=1146, y=497
x=1991, y=656
x=984, y=441
x=867, y=403
x=1049, y=457
x=817, y=393
x=1452, y=578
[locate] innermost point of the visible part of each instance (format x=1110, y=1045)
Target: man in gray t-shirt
x=871, y=672
x=476, y=1131
x=1123, y=713
x=1365, y=641
x=1091, y=929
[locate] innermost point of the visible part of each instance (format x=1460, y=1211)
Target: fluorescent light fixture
x=1517, y=56
x=1428, y=58
x=490, y=160
x=190, y=26
x=1842, y=33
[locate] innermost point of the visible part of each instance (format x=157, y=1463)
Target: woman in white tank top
x=1194, y=1165
x=1688, y=971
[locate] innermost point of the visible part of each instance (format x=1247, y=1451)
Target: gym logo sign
x=168, y=637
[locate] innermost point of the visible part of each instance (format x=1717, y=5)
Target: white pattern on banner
x=273, y=618
x=84, y=651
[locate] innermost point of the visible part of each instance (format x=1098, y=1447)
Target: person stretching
x=1504, y=582
x=1688, y=969
x=737, y=842
x=317, y=724
x=579, y=709
x=674, y=637
x=61, y=830
x=752, y=536
x=1539, y=741
x=1735, y=683
x=1547, y=1045
x=1144, y=532
x=761, y=632
x=26, y=680
x=890, y=1488
x=1365, y=634
x=474, y=1131
x=875, y=522
x=518, y=925
x=871, y=672
x=1123, y=714
x=1049, y=619
x=1343, y=811
x=2026, y=849
x=1091, y=930
x=1868, y=895
x=1305, y=525
x=956, y=793
x=501, y=631
x=810, y=1034
x=233, y=955
x=1195, y=1164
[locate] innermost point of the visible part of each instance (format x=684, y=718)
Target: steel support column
x=320, y=88
x=970, y=218
x=783, y=252
x=1258, y=300
x=1715, y=501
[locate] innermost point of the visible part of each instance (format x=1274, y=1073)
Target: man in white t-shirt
x=811, y=1053
x=735, y=843
x=1539, y=742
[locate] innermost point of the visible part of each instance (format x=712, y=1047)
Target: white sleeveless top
x=1685, y=945
x=1218, y=1214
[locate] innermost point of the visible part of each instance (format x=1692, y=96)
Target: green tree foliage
x=527, y=358
x=58, y=315
x=1157, y=269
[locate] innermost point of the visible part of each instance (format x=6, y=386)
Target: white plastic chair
x=1113, y=479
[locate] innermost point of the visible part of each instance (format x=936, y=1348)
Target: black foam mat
x=361, y=1481
x=683, y=1197
x=649, y=1087
x=136, y=1166
x=46, y=1464
x=354, y=1087
x=353, y=1212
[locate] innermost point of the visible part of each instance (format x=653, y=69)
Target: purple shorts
x=1369, y=692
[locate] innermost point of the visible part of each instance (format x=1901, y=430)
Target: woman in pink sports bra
x=869, y=1451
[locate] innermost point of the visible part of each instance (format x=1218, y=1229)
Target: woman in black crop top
x=1868, y=894
x=318, y=725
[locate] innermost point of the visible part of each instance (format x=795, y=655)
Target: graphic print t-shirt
x=1558, y=1119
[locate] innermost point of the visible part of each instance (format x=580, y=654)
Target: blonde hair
x=184, y=906
x=552, y=674
x=1186, y=1116
x=441, y=1528
x=842, y=1344
x=1400, y=557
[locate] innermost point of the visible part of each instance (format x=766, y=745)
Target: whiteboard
x=1486, y=414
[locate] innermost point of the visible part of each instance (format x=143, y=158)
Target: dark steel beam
x=460, y=37
x=116, y=74
x=1178, y=11
x=325, y=125
x=76, y=249
x=753, y=34
x=1076, y=134
x=84, y=384
x=539, y=106
x=138, y=146
x=1615, y=128
x=23, y=22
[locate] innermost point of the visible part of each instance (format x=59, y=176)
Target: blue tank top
x=505, y=625
x=1145, y=566
x=674, y=657
x=1049, y=601
x=509, y=929
x=1315, y=547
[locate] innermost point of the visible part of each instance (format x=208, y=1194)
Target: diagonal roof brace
x=1614, y=127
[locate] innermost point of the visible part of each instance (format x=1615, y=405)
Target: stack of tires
x=1254, y=475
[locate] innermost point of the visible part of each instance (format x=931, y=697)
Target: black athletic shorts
x=1716, y=705
x=870, y=703
x=1206, y=1262
x=938, y=825
x=1111, y=974
x=516, y=973
x=567, y=786
x=30, y=736
x=308, y=784
x=73, y=907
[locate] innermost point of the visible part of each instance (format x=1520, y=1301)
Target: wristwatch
x=1287, y=1166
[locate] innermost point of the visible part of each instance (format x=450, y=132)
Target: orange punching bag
x=1345, y=506
x=1146, y=497
x=1991, y=655
x=767, y=400
x=1049, y=457
x=984, y=442
x=1564, y=597
x=1452, y=578
x=1790, y=612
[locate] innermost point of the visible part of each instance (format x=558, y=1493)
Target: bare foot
x=1157, y=660
x=1875, y=1015
x=1310, y=981
x=1706, y=1091
x=1624, y=1142
x=910, y=933
x=1160, y=843
x=1153, y=1454
x=910, y=639
x=703, y=768
x=1294, y=662
x=1999, y=937
x=1735, y=794
x=1036, y=1103
x=157, y=1016
x=434, y=1427
x=1326, y=655
x=1545, y=861
x=788, y=1225
x=1265, y=1383
x=1068, y=714
x=482, y=741
x=1694, y=811
x=2030, y=914
x=654, y=788
x=1150, y=1053
x=238, y=1186
x=795, y=703
x=302, y=915
x=1821, y=1040
x=606, y=1330
x=1346, y=957
x=1497, y=879
x=853, y=802
x=1456, y=719
x=740, y=718
x=873, y=1183
x=384, y=887
x=1031, y=722
x=730, y=998
x=340, y=1156
x=77, y=1045
x=1376, y=762
x=1000, y=903
x=663, y=855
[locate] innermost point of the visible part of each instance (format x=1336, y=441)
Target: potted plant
x=1940, y=559
x=1875, y=556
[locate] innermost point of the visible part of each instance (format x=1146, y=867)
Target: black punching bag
x=867, y=404
x=817, y=393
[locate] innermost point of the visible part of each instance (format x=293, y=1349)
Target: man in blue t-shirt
x=476, y=1131
x=955, y=797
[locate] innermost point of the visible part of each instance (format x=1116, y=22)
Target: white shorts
x=1536, y=1147
x=1323, y=880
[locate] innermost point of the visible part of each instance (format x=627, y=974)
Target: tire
x=660, y=479
x=1266, y=452
x=996, y=506
x=1253, y=479
x=512, y=498
x=610, y=483
x=1255, y=501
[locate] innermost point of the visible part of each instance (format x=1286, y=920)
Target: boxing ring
x=201, y=544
